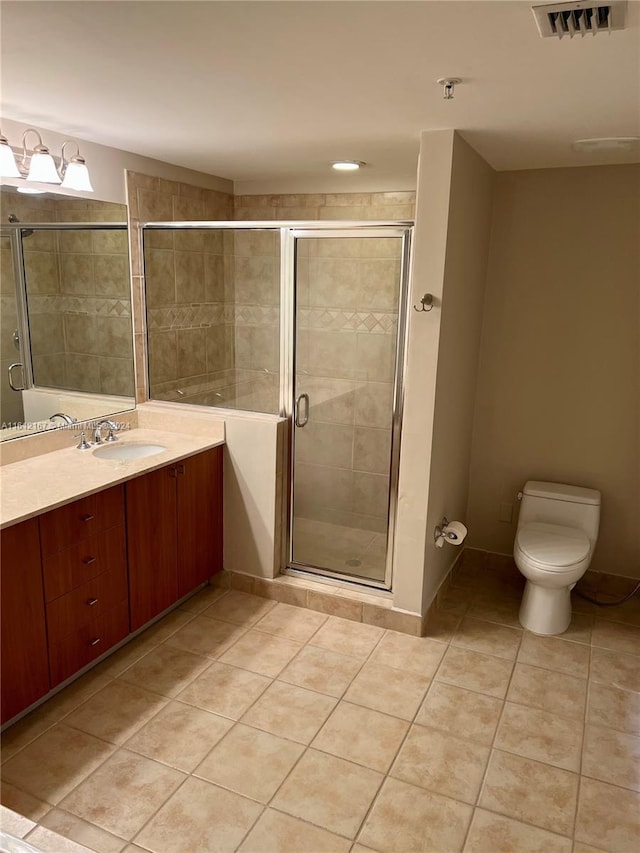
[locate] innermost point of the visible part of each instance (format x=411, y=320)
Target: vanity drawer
x=67, y=525
x=87, y=643
x=86, y=603
x=87, y=559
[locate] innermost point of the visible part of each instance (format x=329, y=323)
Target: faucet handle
x=84, y=444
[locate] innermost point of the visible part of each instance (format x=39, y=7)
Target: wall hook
x=426, y=302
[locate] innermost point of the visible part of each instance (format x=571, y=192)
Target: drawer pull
x=173, y=471
x=88, y=560
x=86, y=518
x=95, y=642
x=91, y=602
x=181, y=469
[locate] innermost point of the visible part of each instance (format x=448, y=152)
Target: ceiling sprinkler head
x=448, y=84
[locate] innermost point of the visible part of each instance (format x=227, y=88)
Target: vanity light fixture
x=71, y=173
x=347, y=165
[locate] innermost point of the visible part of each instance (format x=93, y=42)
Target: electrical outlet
x=506, y=512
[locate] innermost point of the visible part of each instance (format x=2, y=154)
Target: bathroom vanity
x=78, y=578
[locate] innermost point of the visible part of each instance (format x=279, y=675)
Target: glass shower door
x=346, y=390
x=11, y=367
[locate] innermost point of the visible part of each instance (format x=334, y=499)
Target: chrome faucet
x=67, y=419
x=97, y=436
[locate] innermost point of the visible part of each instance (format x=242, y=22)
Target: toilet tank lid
x=561, y=492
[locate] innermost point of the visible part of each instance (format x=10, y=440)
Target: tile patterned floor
x=239, y=724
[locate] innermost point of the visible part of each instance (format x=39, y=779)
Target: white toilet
x=556, y=535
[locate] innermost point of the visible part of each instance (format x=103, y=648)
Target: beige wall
x=557, y=395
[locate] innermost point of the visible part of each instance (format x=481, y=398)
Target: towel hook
x=426, y=302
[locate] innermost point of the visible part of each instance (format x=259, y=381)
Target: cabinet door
x=25, y=666
x=199, y=519
x=151, y=544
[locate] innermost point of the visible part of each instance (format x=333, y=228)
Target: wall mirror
x=65, y=306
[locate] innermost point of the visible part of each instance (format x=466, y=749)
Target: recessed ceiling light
x=347, y=165
x=607, y=143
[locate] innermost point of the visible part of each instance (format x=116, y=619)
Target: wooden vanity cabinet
x=84, y=567
x=174, y=532
x=25, y=669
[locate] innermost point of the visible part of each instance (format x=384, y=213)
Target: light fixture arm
x=65, y=162
x=40, y=148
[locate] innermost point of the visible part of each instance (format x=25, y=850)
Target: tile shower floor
x=348, y=550
x=240, y=724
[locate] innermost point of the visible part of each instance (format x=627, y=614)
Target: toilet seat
x=552, y=547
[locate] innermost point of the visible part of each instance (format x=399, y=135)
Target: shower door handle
x=12, y=367
x=299, y=422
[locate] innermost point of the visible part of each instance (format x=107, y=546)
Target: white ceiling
x=264, y=92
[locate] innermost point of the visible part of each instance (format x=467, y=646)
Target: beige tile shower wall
x=188, y=318
x=557, y=394
x=347, y=298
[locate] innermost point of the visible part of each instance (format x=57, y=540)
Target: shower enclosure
x=306, y=321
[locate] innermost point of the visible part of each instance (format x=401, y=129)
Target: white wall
x=558, y=392
x=107, y=166
x=453, y=214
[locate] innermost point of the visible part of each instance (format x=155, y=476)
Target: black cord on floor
x=608, y=603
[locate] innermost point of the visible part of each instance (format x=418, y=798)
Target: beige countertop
x=33, y=486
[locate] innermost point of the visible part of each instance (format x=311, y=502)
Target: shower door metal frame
x=289, y=238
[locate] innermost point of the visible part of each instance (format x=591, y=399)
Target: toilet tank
x=557, y=503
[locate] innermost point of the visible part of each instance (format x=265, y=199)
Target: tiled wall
x=78, y=292
x=10, y=401
x=189, y=325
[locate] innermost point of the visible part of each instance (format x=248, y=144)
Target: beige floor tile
x=415, y=654
x=502, y=612
x=442, y=763
x=261, y=653
x=239, y=608
x=329, y=792
x=579, y=630
x=291, y=712
x=613, y=707
x=198, y=817
x=165, y=670
x=24, y=804
x=207, y=637
x=50, y=842
x=225, y=690
x=488, y=638
x=180, y=735
x=133, y=848
x=122, y=794
x=579, y=847
x=608, y=817
x=54, y=764
x=475, y=671
x=203, y=599
x=442, y=625
x=555, y=654
x=540, y=735
x=294, y=623
x=616, y=636
x=555, y=692
x=53, y=711
x=280, y=833
x=362, y=736
x=116, y=712
x=322, y=670
x=74, y=828
x=616, y=669
x=492, y=833
x=14, y=823
x=410, y=819
x=119, y=661
x=250, y=762
x=392, y=691
x=531, y=792
x=351, y=638
x=612, y=756
x=460, y=712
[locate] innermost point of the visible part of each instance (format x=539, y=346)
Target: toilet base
x=545, y=611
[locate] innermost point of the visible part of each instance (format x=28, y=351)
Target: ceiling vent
x=570, y=19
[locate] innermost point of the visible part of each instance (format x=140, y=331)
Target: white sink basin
x=130, y=450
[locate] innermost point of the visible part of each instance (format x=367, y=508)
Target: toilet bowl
x=556, y=535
